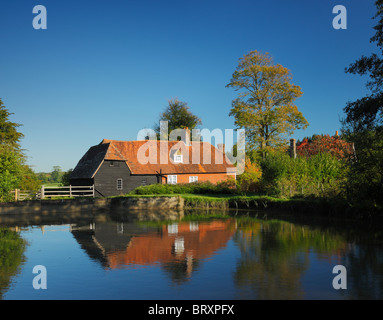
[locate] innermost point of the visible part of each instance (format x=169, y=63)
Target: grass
x=209, y=196
x=52, y=185
x=311, y=206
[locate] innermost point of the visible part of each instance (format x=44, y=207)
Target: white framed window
x=119, y=184
x=178, y=158
x=193, y=179
x=172, y=179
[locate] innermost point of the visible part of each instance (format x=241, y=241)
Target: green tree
x=265, y=104
x=14, y=172
x=56, y=174
x=11, y=157
x=8, y=130
x=11, y=169
x=363, y=124
x=65, y=178
x=29, y=180
x=367, y=112
x=179, y=116
x=43, y=177
x=12, y=247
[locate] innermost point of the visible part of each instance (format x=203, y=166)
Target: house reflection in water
x=177, y=247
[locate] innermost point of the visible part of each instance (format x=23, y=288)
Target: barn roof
x=153, y=156
x=90, y=162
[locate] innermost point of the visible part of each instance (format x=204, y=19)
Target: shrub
x=337, y=147
x=249, y=180
x=319, y=175
x=187, y=188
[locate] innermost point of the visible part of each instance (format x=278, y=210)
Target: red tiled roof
x=151, y=156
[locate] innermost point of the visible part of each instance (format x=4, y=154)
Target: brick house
x=117, y=167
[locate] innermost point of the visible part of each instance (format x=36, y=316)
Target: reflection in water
x=12, y=247
x=365, y=271
x=275, y=255
x=178, y=247
x=240, y=258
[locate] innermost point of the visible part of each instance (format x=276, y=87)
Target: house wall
x=105, y=180
x=212, y=177
x=81, y=182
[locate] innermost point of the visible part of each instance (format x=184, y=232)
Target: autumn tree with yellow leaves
x=265, y=103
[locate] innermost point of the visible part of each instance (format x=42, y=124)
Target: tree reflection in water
x=257, y=259
x=275, y=255
x=12, y=248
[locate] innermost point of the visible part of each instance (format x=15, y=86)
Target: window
x=144, y=182
x=119, y=184
x=178, y=158
x=172, y=179
x=193, y=179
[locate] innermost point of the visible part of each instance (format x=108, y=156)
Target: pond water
x=235, y=258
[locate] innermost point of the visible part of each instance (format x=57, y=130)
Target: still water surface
x=237, y=258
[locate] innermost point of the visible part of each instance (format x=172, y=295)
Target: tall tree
x=265, y=104
x=8, y=130
x=363, y=124
x=367, y=112
x=179, y=116
x=11, y=171
x=14, y=173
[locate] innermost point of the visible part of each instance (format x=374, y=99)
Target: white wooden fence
x=53, y=192
x=21, y=195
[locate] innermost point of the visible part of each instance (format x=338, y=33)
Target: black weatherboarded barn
x=117, y=167
x=109, y=177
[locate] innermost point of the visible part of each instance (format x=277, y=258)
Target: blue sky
x=106, y=69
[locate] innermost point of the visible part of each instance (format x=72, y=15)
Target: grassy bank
x=219, y=200
x=260, y=202
x=207, y=196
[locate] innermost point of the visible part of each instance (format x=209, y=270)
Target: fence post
x=16, y=194
x=93, y=190
x=42, y=192
x=70, y=191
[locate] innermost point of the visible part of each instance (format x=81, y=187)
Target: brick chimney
x=221, y=147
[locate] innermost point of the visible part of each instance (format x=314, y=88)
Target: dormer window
x=178, y=158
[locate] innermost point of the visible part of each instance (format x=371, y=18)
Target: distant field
x=52, y=185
